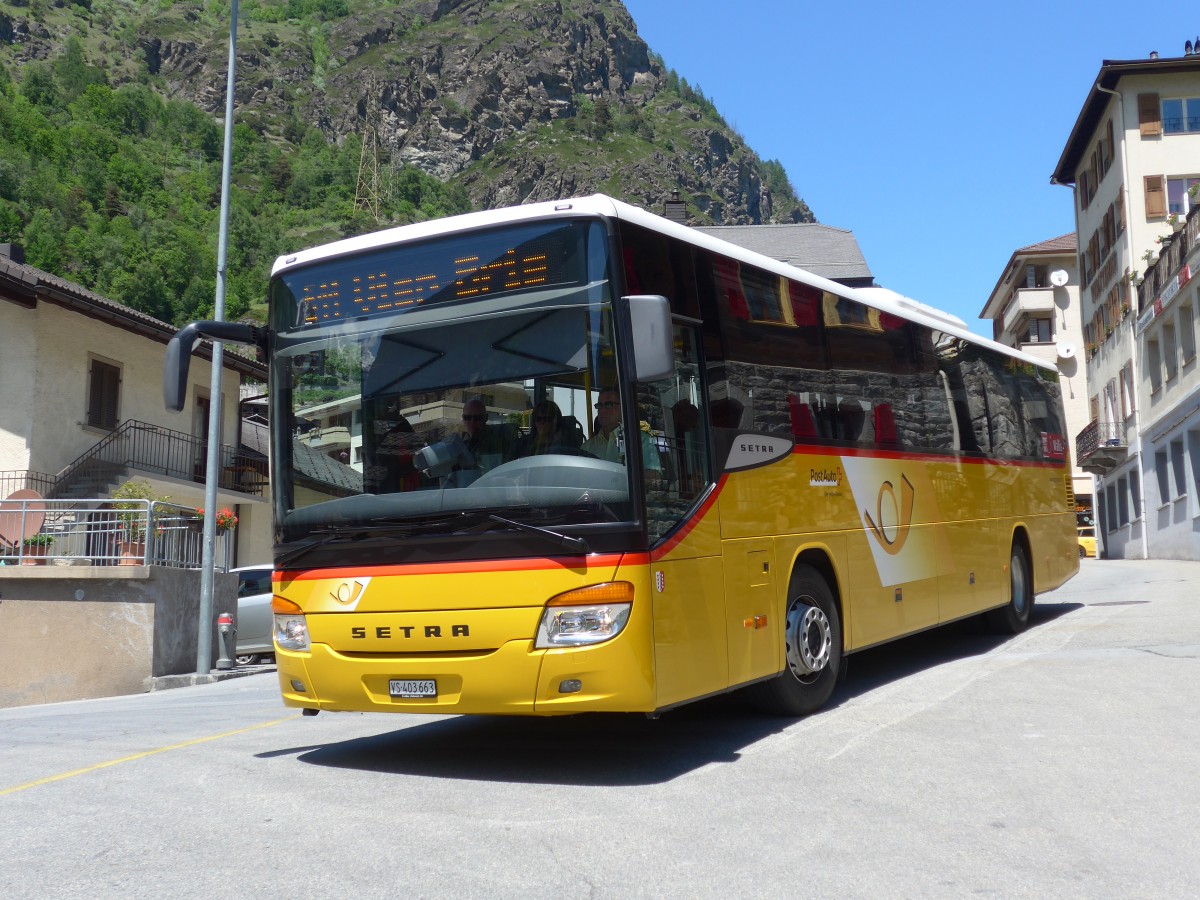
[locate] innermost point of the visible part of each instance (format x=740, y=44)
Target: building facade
x=1132, y=161
x=83, y=409
x=1034, y=307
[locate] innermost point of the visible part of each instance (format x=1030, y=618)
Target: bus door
x=690, y=653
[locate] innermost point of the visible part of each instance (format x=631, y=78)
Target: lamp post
x=212, y=472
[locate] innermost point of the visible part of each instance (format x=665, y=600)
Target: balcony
x=1101, y=447
x=1037, y=302
x=1169, y=272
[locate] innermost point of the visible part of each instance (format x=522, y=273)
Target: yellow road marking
x=113, y=762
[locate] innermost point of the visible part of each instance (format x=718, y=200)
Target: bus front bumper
x=514, y=679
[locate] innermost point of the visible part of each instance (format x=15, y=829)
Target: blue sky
x=928, y=129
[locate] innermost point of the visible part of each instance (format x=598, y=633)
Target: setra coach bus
x=572, y=457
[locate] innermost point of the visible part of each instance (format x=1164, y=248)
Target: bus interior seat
x=885, y=425
x=803, y=424
x=570, y=432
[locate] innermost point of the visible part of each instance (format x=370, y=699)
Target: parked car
x=254, y=619
x=1087, y=542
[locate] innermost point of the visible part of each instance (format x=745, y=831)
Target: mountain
x=411, y=108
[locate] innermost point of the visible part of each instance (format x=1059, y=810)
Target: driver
x=487, y=443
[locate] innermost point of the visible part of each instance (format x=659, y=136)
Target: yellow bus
x=573, y=457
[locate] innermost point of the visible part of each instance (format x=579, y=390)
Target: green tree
x=38, y=85
x=45, y=239
x=73, y=72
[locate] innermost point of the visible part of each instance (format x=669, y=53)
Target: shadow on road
x=625, y=750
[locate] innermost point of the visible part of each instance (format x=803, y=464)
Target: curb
x=168, y=682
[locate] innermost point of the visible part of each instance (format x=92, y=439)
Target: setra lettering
x=387, y=632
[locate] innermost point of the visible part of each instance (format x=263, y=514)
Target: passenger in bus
x=608, y=440
x=547, y=432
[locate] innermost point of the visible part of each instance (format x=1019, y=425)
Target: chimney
x=1154, y=54
x=675, y=210
x=15, y=252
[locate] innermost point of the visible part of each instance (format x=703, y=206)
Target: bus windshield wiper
x=328, y=534
x=566, y=541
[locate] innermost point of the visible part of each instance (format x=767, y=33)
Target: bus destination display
x=402, y=279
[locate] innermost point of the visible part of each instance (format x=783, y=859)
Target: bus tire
x=812, y=647
x=1013, y=617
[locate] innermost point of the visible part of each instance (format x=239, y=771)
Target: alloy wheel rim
x=809, y=639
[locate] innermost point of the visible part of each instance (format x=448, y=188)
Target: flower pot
x=35, y=553
x=133, y=553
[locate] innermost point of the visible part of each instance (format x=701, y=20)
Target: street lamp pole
x=212, y=471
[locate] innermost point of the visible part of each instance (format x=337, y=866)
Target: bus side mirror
x=653, y=336
x=179, y=353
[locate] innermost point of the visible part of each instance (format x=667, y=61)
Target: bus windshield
x=471, y=398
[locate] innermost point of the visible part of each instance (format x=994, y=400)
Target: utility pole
x=212, y=472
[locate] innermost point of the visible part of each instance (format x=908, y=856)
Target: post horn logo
x=348, y=593
x=891, y=538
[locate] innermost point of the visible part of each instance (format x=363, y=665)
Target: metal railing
x=1096, y=435
x=161, y=451
x=104, y=533
x=22, y=480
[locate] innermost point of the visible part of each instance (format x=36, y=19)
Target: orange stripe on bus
x=693, y=520
x=936, y=458
x=598, y=560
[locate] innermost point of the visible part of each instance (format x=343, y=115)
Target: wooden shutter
x=1149, y=115
x=102, y=395
x=1156, y=196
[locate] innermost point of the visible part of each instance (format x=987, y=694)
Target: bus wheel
x=1014, y=616
x=813, y=645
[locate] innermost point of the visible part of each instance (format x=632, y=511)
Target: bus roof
x=603, y=205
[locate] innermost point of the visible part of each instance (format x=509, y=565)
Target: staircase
x=97, y=479
x=139, y=447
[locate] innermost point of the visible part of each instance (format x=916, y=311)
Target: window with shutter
x=1149, y=115
x=104, y=385
x=1156, y=197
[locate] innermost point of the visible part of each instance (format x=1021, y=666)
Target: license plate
x=407, y=688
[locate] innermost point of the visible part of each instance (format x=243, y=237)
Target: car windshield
x=416, y=419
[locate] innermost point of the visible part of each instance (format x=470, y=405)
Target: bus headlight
x=291, y=627
x=585, y=616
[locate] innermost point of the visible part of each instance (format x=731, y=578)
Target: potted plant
x=227, y=520
x=135, y=509
x=36, y=547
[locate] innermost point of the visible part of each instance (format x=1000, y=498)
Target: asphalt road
x=1061, y=763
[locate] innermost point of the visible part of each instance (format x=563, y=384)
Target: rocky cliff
x=517, y=100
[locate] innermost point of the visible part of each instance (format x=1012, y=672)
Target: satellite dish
x=20, y=516
x=1059, y=277
x=1065, y=349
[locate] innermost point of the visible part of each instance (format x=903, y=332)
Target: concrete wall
x=70, y=633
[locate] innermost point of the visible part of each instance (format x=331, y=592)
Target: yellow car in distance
x=1087, y=542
